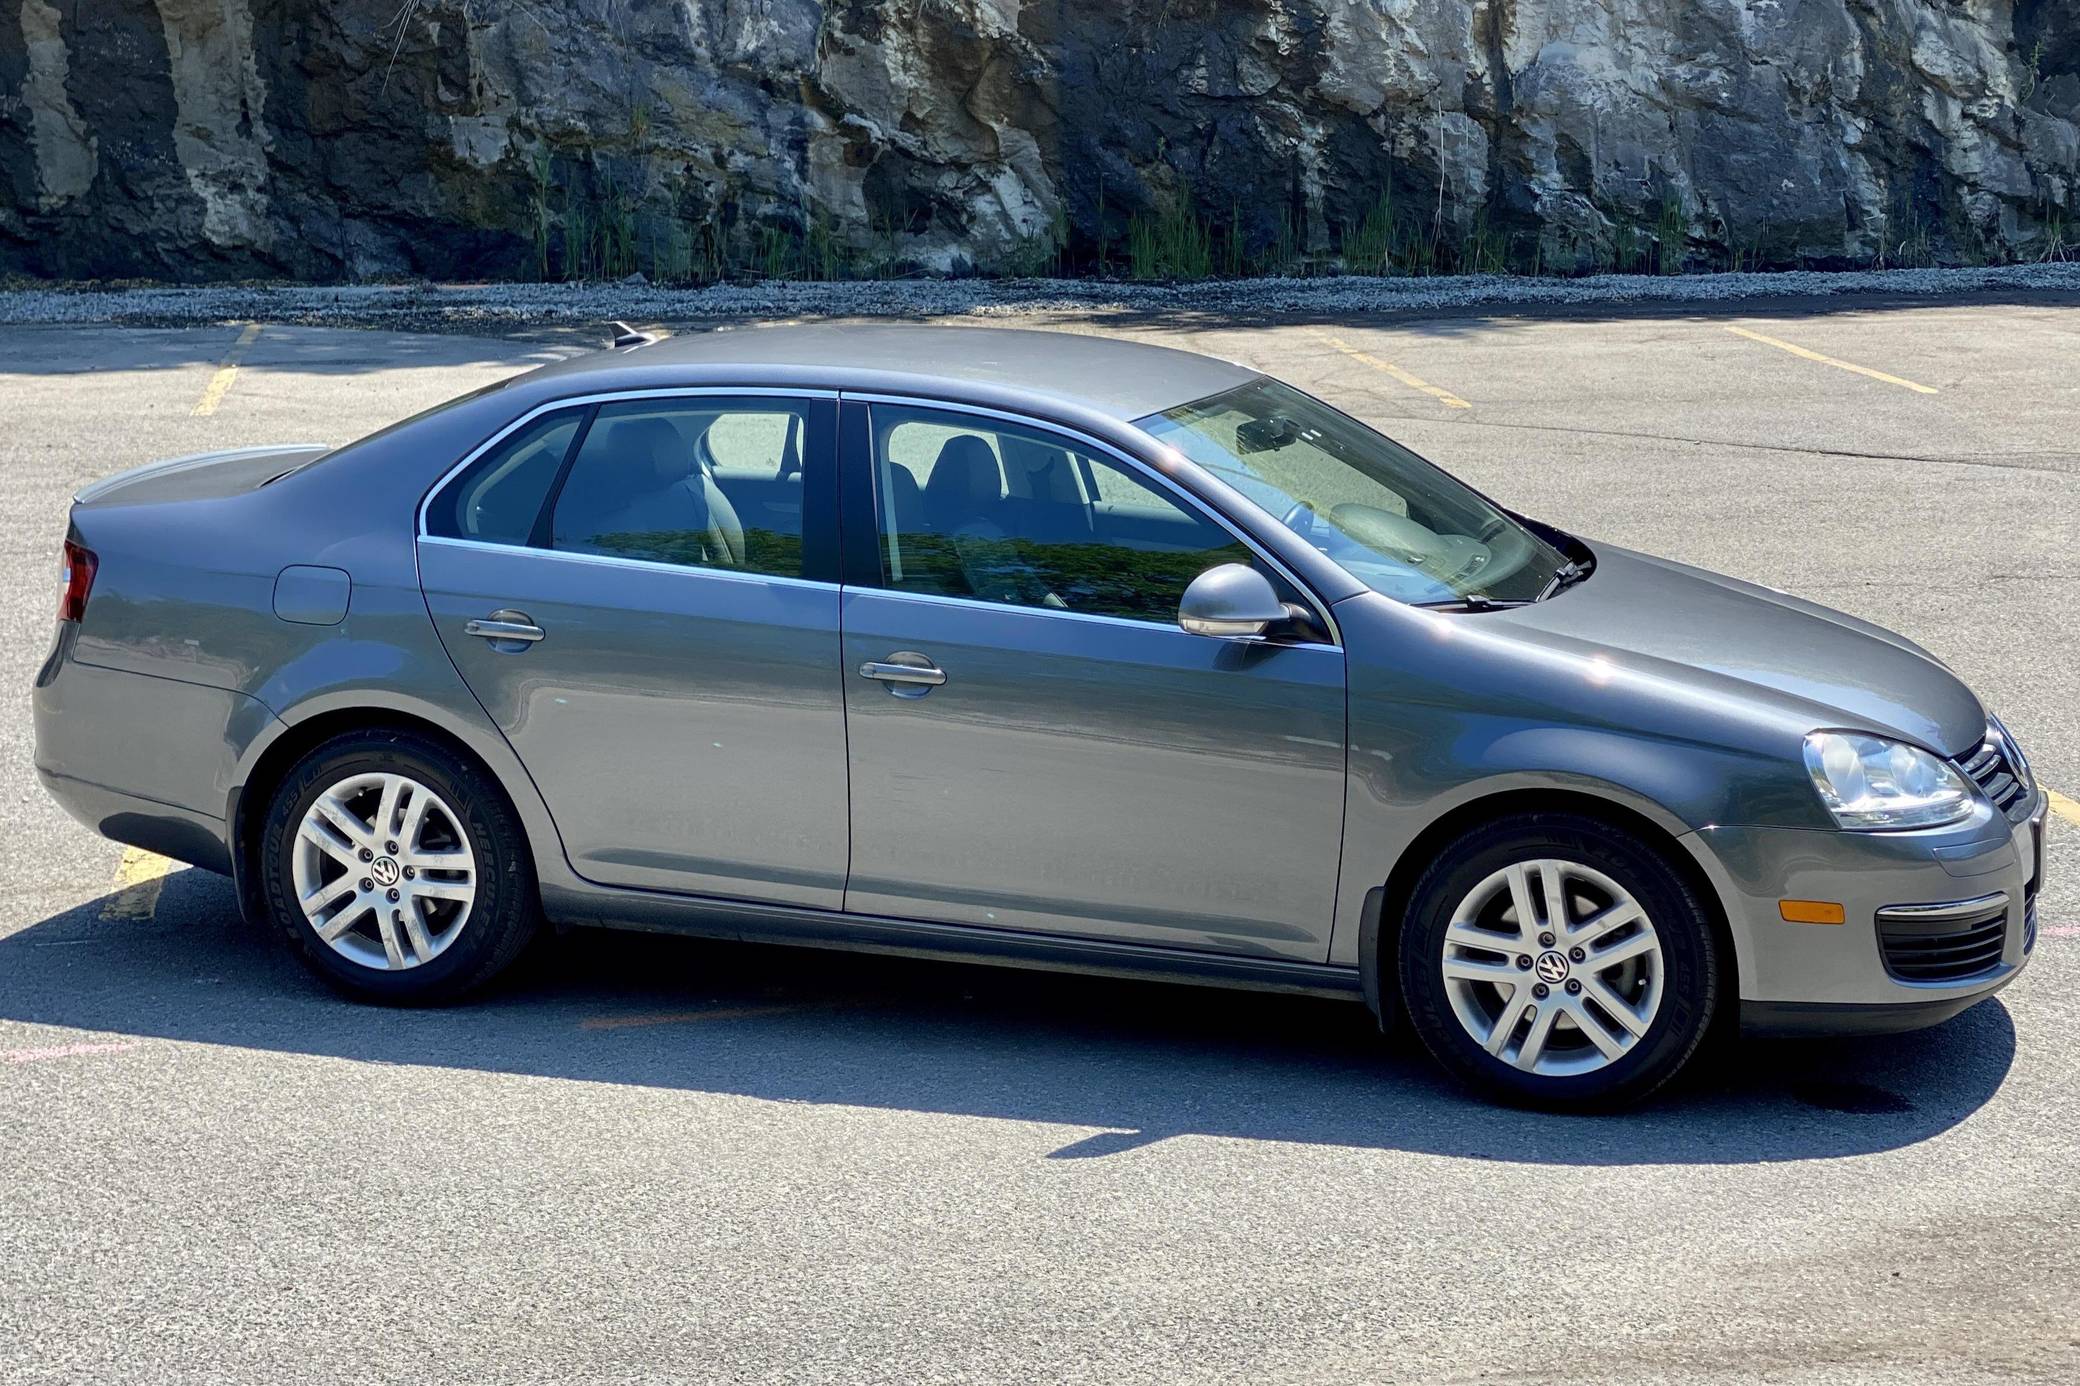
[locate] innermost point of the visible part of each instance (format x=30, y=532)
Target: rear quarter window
x=496, y=500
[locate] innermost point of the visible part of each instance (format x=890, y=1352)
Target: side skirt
x=703, y=917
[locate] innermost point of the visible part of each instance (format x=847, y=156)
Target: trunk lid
x=198, y=476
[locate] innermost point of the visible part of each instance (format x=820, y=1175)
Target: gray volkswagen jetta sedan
x=1032, y=648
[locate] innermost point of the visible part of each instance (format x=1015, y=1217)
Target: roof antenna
x=626, y=336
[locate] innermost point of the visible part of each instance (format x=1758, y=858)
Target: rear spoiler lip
x=93, y=490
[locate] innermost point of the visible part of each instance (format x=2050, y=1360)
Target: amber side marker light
x=1811, y=912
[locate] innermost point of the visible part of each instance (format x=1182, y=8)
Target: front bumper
x=1832, y=978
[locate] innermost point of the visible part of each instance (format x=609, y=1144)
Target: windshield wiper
x=1472, y=601
x=1566, y=576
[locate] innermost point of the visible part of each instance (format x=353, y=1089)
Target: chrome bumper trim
x=1951, y=909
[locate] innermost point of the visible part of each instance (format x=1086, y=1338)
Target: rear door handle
x=902, y=673
x=909, y=673
x=505, y=625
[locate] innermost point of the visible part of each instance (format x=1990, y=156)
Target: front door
x=1034, y=742
x=641, y=594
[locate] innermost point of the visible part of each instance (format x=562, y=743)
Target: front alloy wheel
x=1559, y=961
x=1553, y=967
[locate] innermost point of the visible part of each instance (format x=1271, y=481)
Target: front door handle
x=907, y=673
x=502, y=626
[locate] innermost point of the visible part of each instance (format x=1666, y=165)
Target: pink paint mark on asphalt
x=64, y=1051
x=2062, y=931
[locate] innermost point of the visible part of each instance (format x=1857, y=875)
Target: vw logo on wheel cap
x=385, y=871
x=1551, y=967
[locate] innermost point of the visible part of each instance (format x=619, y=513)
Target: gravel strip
x=498, y=307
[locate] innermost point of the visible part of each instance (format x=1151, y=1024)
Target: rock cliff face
x=497, y=138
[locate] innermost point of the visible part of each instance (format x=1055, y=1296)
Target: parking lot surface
x=653, y=1158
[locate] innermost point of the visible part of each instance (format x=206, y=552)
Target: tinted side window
x=706, y=483
x=755, y=447
x=497, y=499
x=969, y=507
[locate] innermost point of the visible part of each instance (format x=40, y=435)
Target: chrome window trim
x=608, y=560
x=941, y=599
x=1156, y=481
x=585, y=401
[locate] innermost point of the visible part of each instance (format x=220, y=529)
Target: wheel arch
x=268, y=762
x=1386, y=904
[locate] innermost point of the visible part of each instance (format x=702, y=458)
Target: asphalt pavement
x=659, y=1159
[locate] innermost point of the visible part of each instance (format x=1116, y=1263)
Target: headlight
x=1868, y=782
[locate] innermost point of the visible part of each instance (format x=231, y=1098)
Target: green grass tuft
x=1170, y=243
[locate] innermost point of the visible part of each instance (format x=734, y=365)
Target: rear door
x=1034, y=742
x=641, y=592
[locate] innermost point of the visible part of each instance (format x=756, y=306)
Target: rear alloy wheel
x=383, y=871
x=1558, y=961
x=396, y=869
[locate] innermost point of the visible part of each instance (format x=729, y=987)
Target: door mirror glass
x=1231, y=602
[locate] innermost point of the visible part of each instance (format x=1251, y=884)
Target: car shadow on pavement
x=1139, y=1062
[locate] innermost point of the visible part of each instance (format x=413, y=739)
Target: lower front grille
x=1944, y=943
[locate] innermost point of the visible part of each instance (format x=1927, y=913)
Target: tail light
x=78, y=581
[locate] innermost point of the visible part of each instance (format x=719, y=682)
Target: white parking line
x=64, y=1051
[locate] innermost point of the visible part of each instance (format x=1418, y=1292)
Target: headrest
x=966, y=468
x=649, y=451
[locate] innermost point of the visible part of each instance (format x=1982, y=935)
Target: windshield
x=1395, y=522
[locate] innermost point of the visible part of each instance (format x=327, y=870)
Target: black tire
x=504, y=915
x=1690, y=952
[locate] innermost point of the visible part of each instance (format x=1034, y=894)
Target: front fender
x=1378, y=835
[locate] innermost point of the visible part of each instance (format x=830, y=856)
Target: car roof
x=1126, y=380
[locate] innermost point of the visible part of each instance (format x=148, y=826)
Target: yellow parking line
x=139, y=877
x=2065, y=808
x=1796, y=350
x=220, y=383
x=1408, y=378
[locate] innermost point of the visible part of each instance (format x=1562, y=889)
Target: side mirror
x=1231, y=602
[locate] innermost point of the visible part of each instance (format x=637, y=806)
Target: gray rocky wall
x=501, y=138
